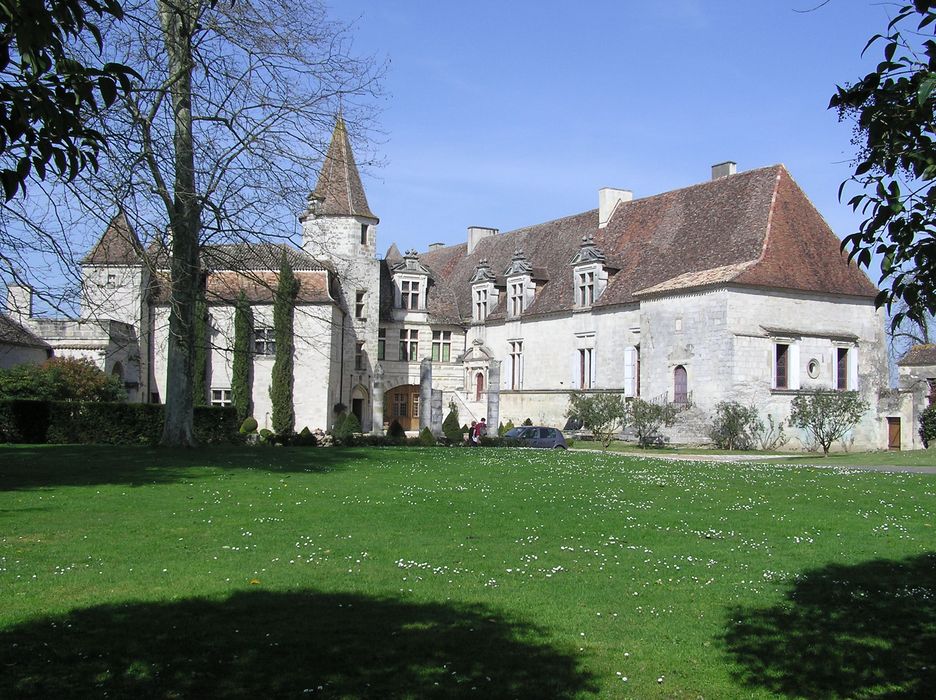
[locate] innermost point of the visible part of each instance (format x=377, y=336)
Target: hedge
x=64, y=422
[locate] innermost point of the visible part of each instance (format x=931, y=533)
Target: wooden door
x=893, y=433
x=402, y=404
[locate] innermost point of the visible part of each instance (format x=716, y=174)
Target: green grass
x=488, y=573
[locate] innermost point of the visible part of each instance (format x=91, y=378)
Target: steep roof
x=919, y=356
x=118, y=246
x=339, y=185
x=755, y=228
x=242, y=256
x=14, y=333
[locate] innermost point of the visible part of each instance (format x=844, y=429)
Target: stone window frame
x=381, y=343
x=264, y=341
x=360, y=304
x=480, y=297
x=409, y=344
x=515, y=353
x=441, y=346
x=360, y=357
x=516, y=297
x=412, y=291
x=221, y=396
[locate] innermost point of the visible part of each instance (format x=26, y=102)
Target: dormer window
x=589, y=275
x=480, y=304
x=585, y=289
x=519, y=287
x=515, y=298
x=409, y=294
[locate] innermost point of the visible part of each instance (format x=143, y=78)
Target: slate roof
x=339, y=185
x=755, y=228
x=14, y=333
x=919, y=356
x=118, y=245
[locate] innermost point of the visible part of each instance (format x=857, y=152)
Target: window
x=632, y=371
x=586, y=367
x=841, y=369
x=359, y=307
x=399, y=405
x=363, y=234
x=480, y=304
x=381, y=343
x=515, y=298
x=516, y=364
x=441, y=346
x=680, y=386
x=781, y=366
x=112, y=280
x=409, y=297
x=409, y=345
x=479, y=385
x=586, y=289
x=220, y=397
x=415, y=405
x=264, y=341
x=359, y=356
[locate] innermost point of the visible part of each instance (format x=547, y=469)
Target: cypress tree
x=200, y=380
x=240, y=374
x=281, y=387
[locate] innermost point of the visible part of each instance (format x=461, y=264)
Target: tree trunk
x=178, y=20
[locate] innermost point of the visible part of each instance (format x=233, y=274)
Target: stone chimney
x=720, y=170
x=19, y=304
x=476, y=233
x=436, y=246
x=608, y=199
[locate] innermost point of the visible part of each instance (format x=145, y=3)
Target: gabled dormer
x=520, y=287
x=410, y=283
x=484, y=293
x=589, y=274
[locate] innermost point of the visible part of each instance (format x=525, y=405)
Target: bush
x=305, y=438
x=603, y=414
x=249, y=426
x=265, y=436
x=527, y=422
x=735, y=426
x=426, y=438
x=827, y=415
x=647, y=419
x=346, y=428
x=928, y=425
x=395, y=431
x=451, y=429
x=61, y=379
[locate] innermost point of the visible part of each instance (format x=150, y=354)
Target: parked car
x=536, y=436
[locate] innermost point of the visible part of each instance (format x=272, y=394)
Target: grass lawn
x=451, y=573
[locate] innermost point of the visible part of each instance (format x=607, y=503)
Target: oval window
x=812, y=369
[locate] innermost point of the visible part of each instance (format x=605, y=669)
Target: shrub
x=216, y=425
x=426, y=438
x=345, y=429
x=240, y=363
x=734, y=426
x=451, y=429
x=395, y=431
x=647, y=419
x=527, y=422
x=305, y=438
x=282, y=379
x=827, y=415
x=265, y=436
x=61, y=379
x=249, y=426
x=770, y=436
x=928, y=425
x=603, y=414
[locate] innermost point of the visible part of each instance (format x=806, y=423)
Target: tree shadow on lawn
x=38, y=466
x=264, y=644
x=861, y=631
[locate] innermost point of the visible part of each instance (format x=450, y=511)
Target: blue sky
x=510, y=114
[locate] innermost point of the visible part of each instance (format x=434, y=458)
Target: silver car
x=536, y=436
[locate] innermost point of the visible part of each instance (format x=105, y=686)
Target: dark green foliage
x=928, y=425
x=735, y=426
x=241, y=365
x=451, y=429
x=603, y=414
x=426, y=438
x=265, y=436
x=895, y=168
x=200, y=380
x=502, y=430
x=248, y=425
x=94, y=422
x=527, y=422
x=395, y=431
x=346, y=429
x=61, y=379
x=281, y=386
x=305, y=438
x=827, y=415
x=647, y=419
x=47, y=96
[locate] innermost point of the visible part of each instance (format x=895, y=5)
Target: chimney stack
x=19, y=304
x=436, y=246
x=476, y=233
x=720, y=170
x=608, y=199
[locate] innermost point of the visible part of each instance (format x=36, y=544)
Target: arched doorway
x=680, y=385
x=401, y=403
x=359, y=405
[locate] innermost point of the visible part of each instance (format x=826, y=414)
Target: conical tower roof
x=339, y=187
x=118, y=246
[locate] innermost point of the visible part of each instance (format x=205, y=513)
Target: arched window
x=117, y=371
x=479, y=385
x=680, y=385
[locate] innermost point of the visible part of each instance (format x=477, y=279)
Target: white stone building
x=733, y=289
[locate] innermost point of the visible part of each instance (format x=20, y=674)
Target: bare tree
x=220, y=141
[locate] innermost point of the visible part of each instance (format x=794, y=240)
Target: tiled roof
x=14, y=333
x=224, y=287
x=242, y=256
x=339, y=185
x=919, y=355
x=118, y=246
x=755, y=228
